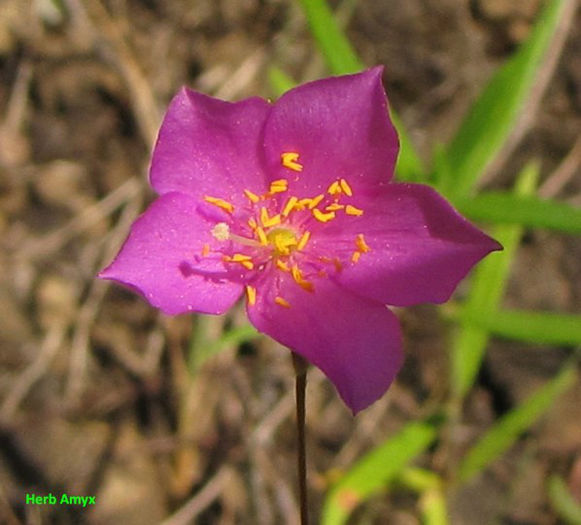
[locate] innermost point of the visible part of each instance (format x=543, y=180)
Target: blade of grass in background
x=279, y=81
x=531, y=327
x=493, y=116
x=430, y=486
x=507, y=430
x=371, y=473
x=487, y=289
x=342, y=60
x=568, y=509
x=203, y=348
x=498, y=207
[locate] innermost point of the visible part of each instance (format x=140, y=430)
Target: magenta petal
x=420, y=247
x=209, y=147
x=354, y=341
x=161, y=260
x=339, y=127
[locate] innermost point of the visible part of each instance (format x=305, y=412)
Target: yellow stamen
x=303, y=240
x=278, y=186
x=346, y=188
x=205, y=250
x=249, y=265
x=315, y=201
x=252, y=197
x=290, y=160
x=251, y=295
x=298, y=277
x=282, y=265
x=252, y=223
x=355, y=257
x=261, y=236
x=303, y=203
x=282, y=302
x=297, y=274
x=334, y=188
x=323, y=217
x=289, y=206
x=334, y=207
x=267, y=221
x=361, y=244
x=352, y=210
x=238, y=257
x=221, y=203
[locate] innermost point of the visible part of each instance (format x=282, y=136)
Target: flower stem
x=300, y=366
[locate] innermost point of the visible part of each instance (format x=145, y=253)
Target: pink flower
x=291, y=204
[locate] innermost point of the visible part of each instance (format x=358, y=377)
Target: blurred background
x=191, y=420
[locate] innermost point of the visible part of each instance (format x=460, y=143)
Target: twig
x=48, y=349
x=201, y=500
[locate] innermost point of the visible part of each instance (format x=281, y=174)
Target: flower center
x=272, y=232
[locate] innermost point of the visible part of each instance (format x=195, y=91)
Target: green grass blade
x=371, y=474
x=508, y=429
x=530, y=211
x=494, y=114
x=563, y=502
x=342, y=60
x=488, y=284
x=279, y=81
x=203, y=348
x=334, y=45
x=432, y=499
x=532, y=327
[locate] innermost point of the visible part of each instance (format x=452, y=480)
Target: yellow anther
x=338, y=265
x=346, y=188
x=290, y=160
x=267, y=221
x=261, y=236
x=303, y=240
x=334, y=188
x=334, y=207
x=352, y=210
x=298, y=277
x=355, y=257
x=361, y=244
x=282, y=265
x=251, y=295
x=252, y=197
x=303, y=203
x=252, y=223
x=244, y=260
x=315, y=201
x=238, y=257
x=221, y=203
x=278, y=186
x=289, y=206
x=205, y=250
x=282, y=302
x=323, y=217
x=297, y=274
